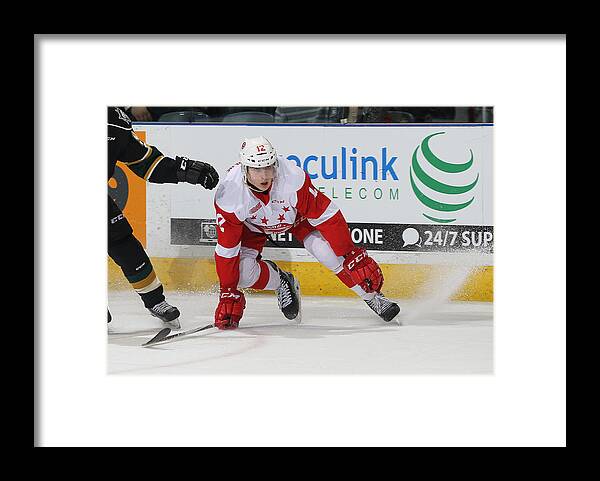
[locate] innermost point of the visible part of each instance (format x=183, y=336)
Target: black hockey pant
x=130, y=256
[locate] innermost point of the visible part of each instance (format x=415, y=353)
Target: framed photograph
x=368, y=229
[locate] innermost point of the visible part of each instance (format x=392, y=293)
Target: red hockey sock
x=263, y=278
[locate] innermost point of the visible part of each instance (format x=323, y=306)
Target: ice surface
x=337, y=336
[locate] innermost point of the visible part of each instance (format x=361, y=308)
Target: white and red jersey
x=291, y=200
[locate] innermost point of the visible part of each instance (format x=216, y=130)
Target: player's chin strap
x=251, y=187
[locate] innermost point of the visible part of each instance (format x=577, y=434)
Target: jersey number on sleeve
x=220, y=222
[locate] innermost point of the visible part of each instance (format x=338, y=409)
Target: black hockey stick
x=165, y=334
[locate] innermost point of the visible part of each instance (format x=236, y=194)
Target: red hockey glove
x=230, y=309
x=363, y=270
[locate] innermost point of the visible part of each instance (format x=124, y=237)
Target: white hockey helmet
x=257, y=152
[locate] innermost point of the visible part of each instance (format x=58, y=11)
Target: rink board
x=412, y=188
x=403, y=281
x=374, y=173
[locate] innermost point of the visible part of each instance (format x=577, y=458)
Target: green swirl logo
x=436, y=185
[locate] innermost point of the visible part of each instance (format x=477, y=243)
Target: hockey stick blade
x=162, y=334
x=165, y=335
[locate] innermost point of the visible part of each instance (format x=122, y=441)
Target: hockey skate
x=383, y=307
x=167, y=313
x=288, y=294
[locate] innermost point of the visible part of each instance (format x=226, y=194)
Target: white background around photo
x=522, y=404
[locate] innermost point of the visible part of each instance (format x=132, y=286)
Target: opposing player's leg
x=319, y=248
x=130, y=256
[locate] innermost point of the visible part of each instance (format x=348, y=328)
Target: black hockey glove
x=196, y=172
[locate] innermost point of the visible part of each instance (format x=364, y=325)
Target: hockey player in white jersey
x=265, y=194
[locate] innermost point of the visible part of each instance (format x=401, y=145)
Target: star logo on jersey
x=281, y=217
x=253, y=217
x=264, y=220
x=286, y=209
